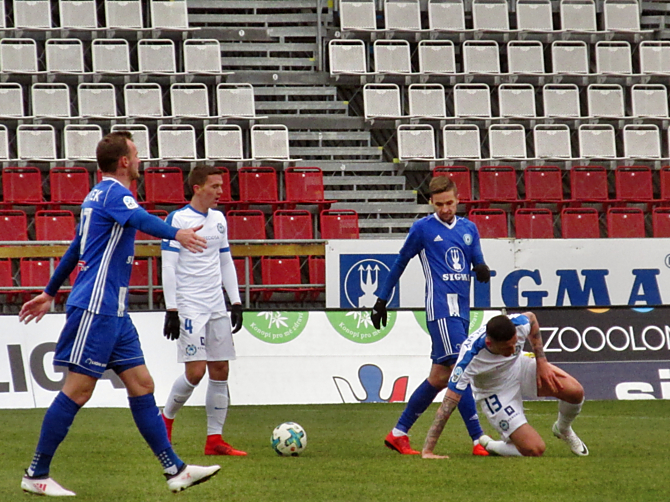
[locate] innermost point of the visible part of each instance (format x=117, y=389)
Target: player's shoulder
x=177, y=215
x=423, y=223
x=111, y=192
x=465, y=223
x=519, y=319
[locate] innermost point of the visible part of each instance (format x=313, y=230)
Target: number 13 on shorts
x=493, y=404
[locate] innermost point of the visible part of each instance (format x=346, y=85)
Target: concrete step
x=386, y=223
x=367, y=167
x=227, y=63
x=241, y=47
x=300, y=106
x=363, y=136
x=301, y=91
x=342, y=152
x=384, y=208
x=356, y=181
x=371, y=195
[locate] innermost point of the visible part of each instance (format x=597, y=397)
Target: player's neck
x=199, y=206
x=120, y=177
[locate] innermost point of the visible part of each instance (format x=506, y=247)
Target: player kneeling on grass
x=196, y=311
x=500, y=373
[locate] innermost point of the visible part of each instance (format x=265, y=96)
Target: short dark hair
x=441, y=184
x=111, y=148
x=199, y=174
x=500, y=328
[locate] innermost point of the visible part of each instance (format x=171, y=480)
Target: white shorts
x=205, y=337
x=504, y=409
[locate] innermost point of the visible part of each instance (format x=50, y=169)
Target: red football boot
x=479, y=450
x=217, y=446
x=400, y=444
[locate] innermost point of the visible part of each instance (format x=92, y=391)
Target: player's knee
x=195, y=375
x=535, y=450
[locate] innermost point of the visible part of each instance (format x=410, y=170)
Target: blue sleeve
x=152, y=225
x=409, y=250
x=477, y=254
x=120, y=204
x=67, y=264
x=168, y=244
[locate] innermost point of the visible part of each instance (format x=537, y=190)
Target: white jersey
x=198, y=275
x=488, y=373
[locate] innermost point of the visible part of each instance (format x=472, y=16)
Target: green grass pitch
x=105, y=459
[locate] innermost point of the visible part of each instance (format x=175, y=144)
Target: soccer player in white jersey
x=493, y=363
x=196, y=311
x=449, y=249
x=98, y=332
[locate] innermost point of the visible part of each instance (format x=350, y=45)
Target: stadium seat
x=446, y=16
x=346, y=57
x=77, y=14
x=164, y=185
x=133, y=184
x=402, y=15
x=13, y=225
x=80, y=141
x=621, y=15
x=168, y=14
x=224, y=142
x=416, y=141
x=141, y=236
x=189, y=100
x=497, y=184
x=588, y=184
x=580, y=223
x=491, y=223
x=358, y=15
x=269, y=142
x=481, y=56
x=176, y=141
x=235, y=100
x=246, y=224
x=239, y=269
x=490, y=15
x=69, y=185
x=534, y=15
x=507, y=141
x=472, y=100
x=317, y=275
x=570, y=56
x=36, y=141
x=633, y=184
x=437, y=56
x=21, y=185
x=525, y=56
x=277, y=271
x=427, y=100
x=18, y=55
x=139, y=276
x=461, y=141
x=305, y=185
x=561, y=100
x=140, y=133
x=143, y=100
x=543, y=184
x=534, y=223
x=258, y=184
x=339, y=224
x=516, y=100
x=661, y=221
x=64, y=55
x=664, y=181
x=50, y=100
x=552, y=141
x=649, y=100
x=7, y=280
x=292, y=224
x=126, y=14
x=461, y=177
x=34, y=272
x=578, y=15
x=54, y=225
x=156, y=55
x=202, y=56
x=381, y=101
x=110, y=55
x=625, y=222
x=96, y=100
x=31, y=14
x=391, y=56
x=11, y=100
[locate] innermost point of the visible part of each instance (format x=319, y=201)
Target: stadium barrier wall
x=338, y=356
x=532, y=273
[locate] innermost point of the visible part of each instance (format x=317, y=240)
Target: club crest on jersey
x=219, y=227
x=504, y=425
x=191, y=350
x=455, y=259
x=130, y=202
x=456, y=375
x=467, y=238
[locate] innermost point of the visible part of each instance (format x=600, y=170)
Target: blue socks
x=424, y=395
x=150, y=424
x=55, y=426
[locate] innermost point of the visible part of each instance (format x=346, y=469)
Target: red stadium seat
x=588, y=184
x=497, y=184
x=54, y=225
x=246, y=224
x=69, y=185
x=580, y=223
x=633, y=184
x=276, y=271
x=625, y=222
x=661, y=221
x=293, y=224
x=317, y=275
x=22, y=185
x=543, y=184
x=164, y=185
x=132, y=188
x=141, y=236
x=339, y=224
x=258, y=184
x=239, y=268
x=35, y=272
x=13, y=225
x=304, y=184
x=664, y=181
x=461, y=177
x=139, y=276
x=534, y=223
x=7, y=280
x=491, y=223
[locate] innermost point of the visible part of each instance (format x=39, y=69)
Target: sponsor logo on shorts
x=456, y=375
x=95, y=363
x=504, y=425
x=191, y=350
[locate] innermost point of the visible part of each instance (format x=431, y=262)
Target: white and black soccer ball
x=289, y=439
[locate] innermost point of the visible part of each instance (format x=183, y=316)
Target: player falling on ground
x=448, y=247
x=196, y=311
x=98, y=333
x=493, y=363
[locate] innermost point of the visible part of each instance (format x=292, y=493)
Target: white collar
x=451, y=225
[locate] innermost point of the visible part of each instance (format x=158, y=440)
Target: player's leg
x=523, y=442
x=220, y=349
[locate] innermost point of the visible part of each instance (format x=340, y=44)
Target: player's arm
x=169, y=259
x=229, y=279
x=153, y=225
x=40, y=305
x=449, y=404
x=479, y=266
x=545, y=374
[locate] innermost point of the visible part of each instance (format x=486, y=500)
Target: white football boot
x=44, y=486
x=576, y=445
x=191, y=475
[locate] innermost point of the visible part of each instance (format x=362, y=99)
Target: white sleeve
x=229, y=277
x=169, y=260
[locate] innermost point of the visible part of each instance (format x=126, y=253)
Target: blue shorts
x=447, y=335
x=92, y=343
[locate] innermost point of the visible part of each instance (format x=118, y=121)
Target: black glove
x=171, y=325
x=379, y=314
x=483, y=272
x=236, y=317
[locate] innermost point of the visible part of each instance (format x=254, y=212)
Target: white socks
x=567, y=413
x=397, y=432
x=181, y=391
x=216, y=405
x=503, y=449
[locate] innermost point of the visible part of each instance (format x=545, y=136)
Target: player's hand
x=547, y=377
x=35, y=308
x=430, y=454
x=236, y=317
x=194, y=243
x=379, y=315
x=483, y=272
x=171, y=325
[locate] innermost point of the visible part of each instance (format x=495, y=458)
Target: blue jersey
x=447, y=252
x=106, y=249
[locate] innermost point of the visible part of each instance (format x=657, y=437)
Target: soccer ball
x=289, y=439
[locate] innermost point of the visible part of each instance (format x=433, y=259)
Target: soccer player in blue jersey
x=196, y=313
x=449, y=249
x=98, y=333
x=493, y=363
